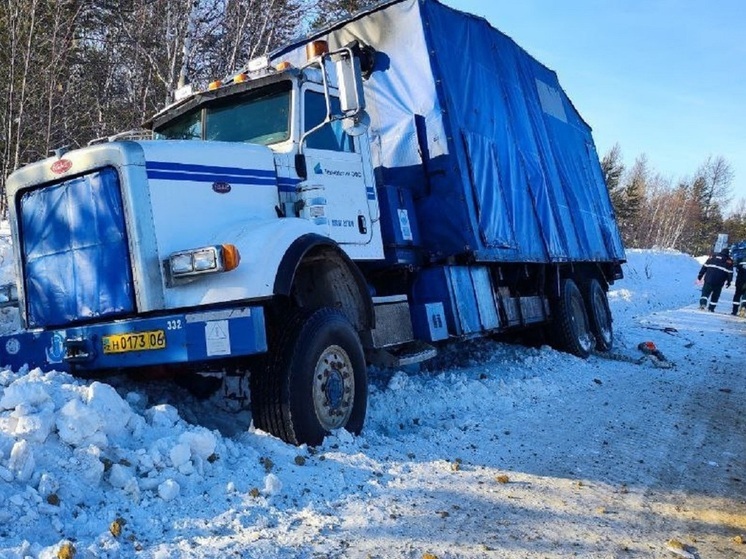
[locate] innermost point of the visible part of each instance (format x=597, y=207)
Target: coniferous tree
x=612, y=168
x=735, y=224
x=630, y=196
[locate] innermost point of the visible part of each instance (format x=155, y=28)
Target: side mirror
x=350, y=82
x=351, y=97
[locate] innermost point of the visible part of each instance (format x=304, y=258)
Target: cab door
x=335, y=175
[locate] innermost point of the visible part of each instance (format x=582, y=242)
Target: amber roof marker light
x=315, y=49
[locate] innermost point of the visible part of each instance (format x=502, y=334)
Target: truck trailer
x=400, y=179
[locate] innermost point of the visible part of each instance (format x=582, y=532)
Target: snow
x=491, y=450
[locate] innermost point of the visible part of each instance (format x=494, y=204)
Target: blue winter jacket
x=718, y=269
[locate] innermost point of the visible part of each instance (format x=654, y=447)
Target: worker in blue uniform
x=718, y=270
x=739, y=297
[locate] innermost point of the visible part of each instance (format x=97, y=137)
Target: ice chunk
x=168, y=490
x=180, y=455
x=90, y=465
x=162, y=415
x=114, y=411
x=35, y=427
x=120, y=476
x=24, y=391
x=48, y=484
x=272, y=485
x=202, y=442
x=22, y=462
x=77, y=424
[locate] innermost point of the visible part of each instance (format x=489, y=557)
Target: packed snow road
x=592, y=458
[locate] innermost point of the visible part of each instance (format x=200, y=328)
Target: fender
x=299, y=249
x=262, y=244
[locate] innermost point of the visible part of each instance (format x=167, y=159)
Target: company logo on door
x=319, y=170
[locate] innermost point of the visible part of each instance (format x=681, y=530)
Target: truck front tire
x=315, y=379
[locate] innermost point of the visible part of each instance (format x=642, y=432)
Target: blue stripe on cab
x=193, y=168
x=200, y=177
x=169, y=170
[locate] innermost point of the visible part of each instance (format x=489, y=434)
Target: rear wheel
x=314, y=380
x=599, y=314
x=571, y=330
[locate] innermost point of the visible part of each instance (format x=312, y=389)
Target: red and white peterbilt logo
x=61, y=166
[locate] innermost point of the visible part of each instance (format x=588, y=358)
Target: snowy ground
x=494, y=450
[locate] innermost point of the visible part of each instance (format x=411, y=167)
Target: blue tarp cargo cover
x=499, y=162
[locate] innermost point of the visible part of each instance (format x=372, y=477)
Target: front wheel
x=571, y=329
x=315, y=379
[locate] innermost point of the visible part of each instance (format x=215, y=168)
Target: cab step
x=406, y=354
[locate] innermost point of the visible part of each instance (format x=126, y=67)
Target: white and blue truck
x=402, y=178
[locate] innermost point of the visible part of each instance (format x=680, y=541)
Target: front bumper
x=193, y=338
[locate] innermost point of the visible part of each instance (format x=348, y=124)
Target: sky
x=666, y=78
x=494, y=450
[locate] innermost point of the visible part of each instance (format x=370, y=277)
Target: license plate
x=134, y=341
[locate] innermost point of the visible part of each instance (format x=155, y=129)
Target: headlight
x=205, y=259
x=186, y=264
x=180, y=264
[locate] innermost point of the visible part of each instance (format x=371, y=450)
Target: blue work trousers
x=712, y=292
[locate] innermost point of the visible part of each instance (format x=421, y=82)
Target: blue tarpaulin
x=499, y=162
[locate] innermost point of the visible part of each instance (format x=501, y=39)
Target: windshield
x=258, y=117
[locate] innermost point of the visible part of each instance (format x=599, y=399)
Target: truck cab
x=227, y=235
x=323, y=173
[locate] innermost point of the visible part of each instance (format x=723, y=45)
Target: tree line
x=76, y=70
x=687, y=214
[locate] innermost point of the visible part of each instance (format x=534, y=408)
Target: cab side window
x=331, y=136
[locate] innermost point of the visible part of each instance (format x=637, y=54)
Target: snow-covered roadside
x=493, y=451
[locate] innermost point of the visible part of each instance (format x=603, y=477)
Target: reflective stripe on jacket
x=717, y=270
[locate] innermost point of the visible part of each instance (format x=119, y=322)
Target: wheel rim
x=580, y=325
x=333, y=388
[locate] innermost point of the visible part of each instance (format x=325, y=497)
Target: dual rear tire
x=582, y=318
x=599, y=314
